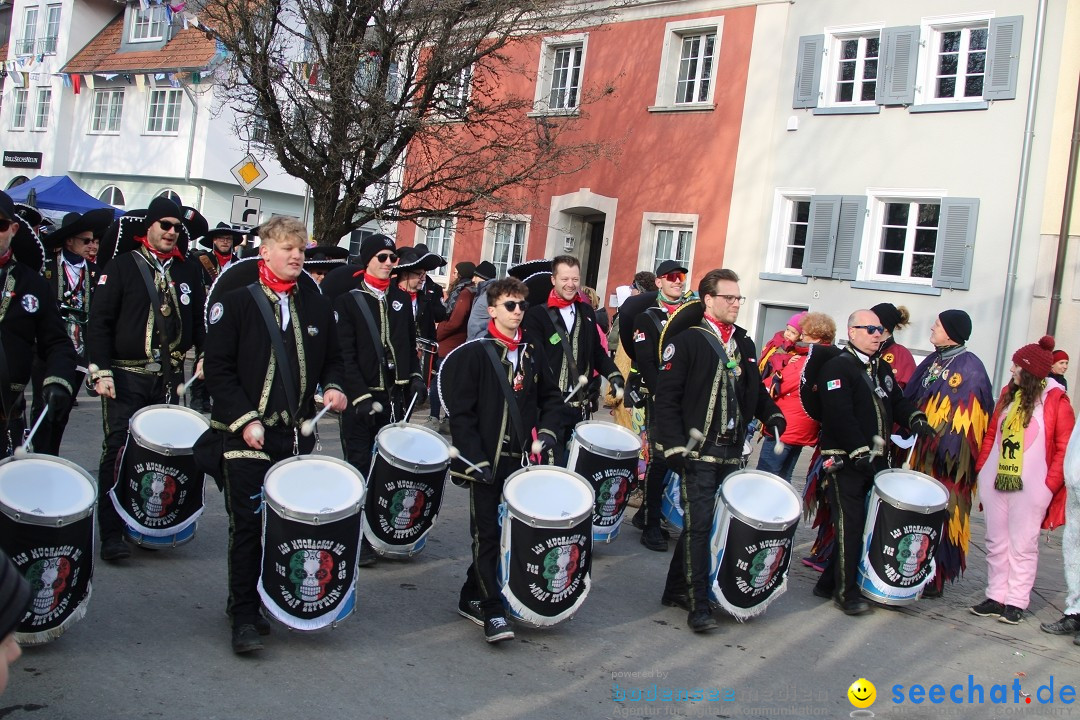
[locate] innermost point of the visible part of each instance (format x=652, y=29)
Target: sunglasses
x=387, y=257
x=513, y=305
x=674, y=276
x=871, y=329
x=167, y=225
x=5, y=224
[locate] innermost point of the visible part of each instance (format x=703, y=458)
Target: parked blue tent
x=58, y=193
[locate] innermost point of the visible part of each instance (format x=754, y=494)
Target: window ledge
x=848, y=110
x=688, y=107
x=902, y=287
x=572, y=112
x=950, y=107
x=103, y=132
x=781, y=277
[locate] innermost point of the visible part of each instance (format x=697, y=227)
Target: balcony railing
x=39, y=46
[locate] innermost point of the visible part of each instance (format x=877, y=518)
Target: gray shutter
x=955, y=243
x=898, y=60
x=808, y=71
x=849, y=232
x=821, y=235
x=1003, y=58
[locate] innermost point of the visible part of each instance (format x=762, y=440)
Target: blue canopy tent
x=58, y=193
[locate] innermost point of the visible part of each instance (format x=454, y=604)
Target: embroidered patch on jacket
x=312, y=330
x=669, y=351
x=30, y=303
x=397, y=305
x=102, y=279
x=185, y=288
x=216, y=312
x=832, y=385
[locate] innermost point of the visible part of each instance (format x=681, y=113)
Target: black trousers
x=689, y=570
x=568, y=419
x=482, y=579
x=358, y=431
x=134, y=391
x=847, y=491
x=655, y=472
x=244, y=478
x=47, y=438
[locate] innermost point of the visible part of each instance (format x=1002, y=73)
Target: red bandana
x=411, y=293
x=222, y=260
x=161, y=256
x=724, y=329
x=510, y=343
x=555, y=300
x=6, y=257
x=375, y=283
x=272, y=281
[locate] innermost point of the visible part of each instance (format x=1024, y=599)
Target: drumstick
x=907, y=460
x=183, y=387
x=308, y=426
x=695, y=437
x=778, y=446
x=257, y=433
x=376, y=407
x=23, y=449
x=408, y=412
x=581, y=382
x=455, y=454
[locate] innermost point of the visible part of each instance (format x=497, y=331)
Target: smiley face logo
x=862, y=693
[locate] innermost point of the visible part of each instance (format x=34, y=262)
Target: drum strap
x=719, y=348
x=373, y=328
x=159, y=320
x=278, y=346
x=508, y=395
x=564, y=340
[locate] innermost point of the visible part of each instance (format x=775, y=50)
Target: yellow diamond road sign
x=248, y=172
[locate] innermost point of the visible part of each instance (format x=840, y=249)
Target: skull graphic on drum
x=310, y=572
x=406, y=506
x=911, y=552
x=158, y=491
x=611, y=496
x=560, y=564
x=764, y=566
x=48, y=579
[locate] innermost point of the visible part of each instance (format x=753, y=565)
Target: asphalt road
x=155, y=643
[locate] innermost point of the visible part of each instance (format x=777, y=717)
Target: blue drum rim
x=163, y=449
x=27, y=518
x=315, y=518
x=900, y=504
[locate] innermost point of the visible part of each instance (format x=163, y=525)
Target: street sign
x=248, y=172
x=245, y=210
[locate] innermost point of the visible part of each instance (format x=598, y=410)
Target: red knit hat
x=1060, y=355
x=1036, y=358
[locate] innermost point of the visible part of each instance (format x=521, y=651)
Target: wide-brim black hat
x=686, y=316
x=341, y=280
x=96, y=221
x=324, y=258
x=237, y=236
x=412, y=260
x=237, y=275
x=540, y=287
x=629, y=310
x=529, y=268
x=193, y=220
x=121, y=234
x=26, y=247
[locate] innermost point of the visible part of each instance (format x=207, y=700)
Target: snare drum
x=311, y=535
x=159, y=493
x=607, y=456
x=903, y=527
x=405, y=489
x=754, y=524
x=671, y=502
x=546, y=544
x=47, y=528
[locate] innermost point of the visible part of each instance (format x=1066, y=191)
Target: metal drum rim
x=567, y=522
x=28, y=518
x=162, y=449
x=900, y=504
x=412, y=467
x=756, y=522
x=314, y=518
x=602, y=451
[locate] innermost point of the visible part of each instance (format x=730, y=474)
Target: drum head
x=760, y=499
x=549, y=494
x=45, y=490
x=165, y=428
x=911, y=490
x=314, y=486
x=609, y=439
x=413, y=446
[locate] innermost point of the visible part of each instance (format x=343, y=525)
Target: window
x=164, y=112
x=793, y=234
x=959, y=62
x=695, y=68
x=105, y=114
x=439, y=235
x=688, y=65
x=113, y=196
x=509, y=245
x=171, y=195
x=25, y=46
x=673, y=243
x=147, y=24
x=18, y=109
x=356, y=238
x=452, y=98
x=52, y=30
x=41, y=113
x=854, y=73
x=260, y=129
x=907, y=241
x=562, y=62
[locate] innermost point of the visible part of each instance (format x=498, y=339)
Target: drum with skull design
x=607, y=456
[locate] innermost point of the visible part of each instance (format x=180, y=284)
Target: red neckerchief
x=510, y=343
x=724, y=329
x=555, y=300
x=412, y=294
x=272, y=281
x=6, y=257
x=222, y=260
x=376, y=284
x=161, y=256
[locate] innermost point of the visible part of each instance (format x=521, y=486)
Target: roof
x=189, y=49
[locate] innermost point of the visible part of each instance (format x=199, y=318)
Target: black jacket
x=242, y=373
x=69, y=300
x=209, y=267
x=588, y=353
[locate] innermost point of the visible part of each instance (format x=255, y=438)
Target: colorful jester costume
x=951, y=386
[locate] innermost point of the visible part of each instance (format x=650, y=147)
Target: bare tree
x=342, y=89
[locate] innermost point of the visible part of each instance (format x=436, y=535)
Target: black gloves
x=676, y=462
x=482, y=476
x=921, y=427
x=547, y=443
x=363, y=408
x=869, y=464
x=57, y=400
x=635, y=392
x=777, y=424
x=617, y=383
x=419, y=389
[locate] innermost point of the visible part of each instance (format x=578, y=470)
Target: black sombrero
x=206, y=240
x=629, y=310
x=686, y=316
x=121, y=234
x=418, y=258
x=241, y=274
x=540, y=288
x=341, y=280
x=529, y=268
x=96, y=221
x=324, y=258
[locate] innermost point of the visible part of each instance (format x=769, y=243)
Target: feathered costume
x=951, y=386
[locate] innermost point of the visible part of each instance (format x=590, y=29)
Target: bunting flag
x=152, y=79
x=75, y=81
x=174, y=79
x=140, y=82
x=90, y=83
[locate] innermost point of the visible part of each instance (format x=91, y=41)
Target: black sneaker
x=497, y=629
x=1011, y=615
x=114, y=549
x=367, y=556
x=821, y=592
x=988, y=608
x=638, y=520
x=853, y=607
x=701, y=620
x=653, y=539
x=675, y=599
x=471, y=611
x=262, y=625
x=1067, y=625
x=245, y=639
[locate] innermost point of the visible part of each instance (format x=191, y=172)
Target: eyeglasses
x=674, y=276
x=513, y=305
x=82, y=238
x=871, y=329
x=387, y=257
x=5, y=224
x=166, y=225
x=732, y=299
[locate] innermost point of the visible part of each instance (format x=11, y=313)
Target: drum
x=903, y=527
x=606, y=455
x=159, y=491
x=546, y=544
x=311, y=535
x=671, y=502
x=753, y=527
x=405, y=489
x=47, y=528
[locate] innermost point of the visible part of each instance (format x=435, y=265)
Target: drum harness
x=568, y=351
x=278, y=346
x=376, y=341
x=728, y=435
x=159, y=319
x=517, y=424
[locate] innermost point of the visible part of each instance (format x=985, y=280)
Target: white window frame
x=109, y=193
x=31, y=18
x=490, y=230
x=834, y=37
x=930, y=33
x=170, y=194
x=549, y=49
x=147, y=21
x=111, y=112
x=172, y=99
x=872, y=230
x=452, y=98
x=54, y=37
x=652, y=223
x=42, y=109
x=671, y=57
x=780, y=228
x=444, y=245
x=20, y=106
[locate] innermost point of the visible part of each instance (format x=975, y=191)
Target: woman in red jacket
x=1021, y=478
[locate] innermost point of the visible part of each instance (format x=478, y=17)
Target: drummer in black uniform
x=564, y=328
x=493, y=437
x=859, y=400
x=28, y=319
x=147, y=313
x=259, y=416
x=220, y=243
x=713, y=354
